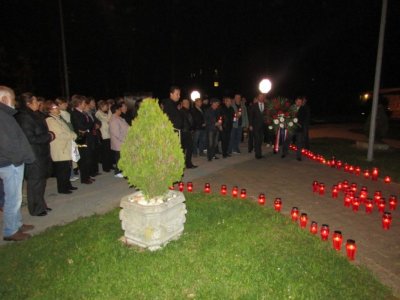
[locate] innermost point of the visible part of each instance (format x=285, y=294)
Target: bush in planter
x=151, y=155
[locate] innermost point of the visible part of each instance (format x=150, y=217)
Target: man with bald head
x=15, y=151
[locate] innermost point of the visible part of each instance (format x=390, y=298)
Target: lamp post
x=64, y=51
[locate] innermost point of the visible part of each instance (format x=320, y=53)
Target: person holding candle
x=213, y=127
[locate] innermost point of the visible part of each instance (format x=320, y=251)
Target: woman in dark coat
x=36, y=174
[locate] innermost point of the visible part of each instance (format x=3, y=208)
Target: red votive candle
x=355, y=203
x=340, y=186
x=324, y=232
x=243, y=193
x=351, y=249
x=181, y=186
x=335, y=191
x=337, y=240
x=261, y=199
x=235, y=191
x=314, y=227
x=333, y=162
x=278, y=204
x=303, y=220
x=386, y=220
x=382, y=205
x=223, y=189
x=315, y=185
x=351, y=169
x=345, y=184
x=207, y=188
x=374, y=174
x=369, y=205
x=377, y=197
x=346, y=167
x=392, y=202
x=189, y=186
x=366, y=174
x=339, y=164
x=347, y=200
x=294, y=213
x=353, y=187
x=387, y=179
x=321, y=188
x=357, y=171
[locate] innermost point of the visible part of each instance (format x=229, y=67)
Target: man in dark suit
x=257, y=123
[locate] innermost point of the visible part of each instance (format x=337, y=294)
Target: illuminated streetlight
x=194, y=95
x=265, y=86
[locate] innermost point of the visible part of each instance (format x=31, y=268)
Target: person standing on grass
x=118, y=130
x=15, y=152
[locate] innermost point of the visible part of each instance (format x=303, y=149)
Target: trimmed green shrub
x=151, y=155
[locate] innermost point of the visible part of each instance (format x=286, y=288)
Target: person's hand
x=251, y=128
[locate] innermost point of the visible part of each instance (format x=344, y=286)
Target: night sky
x=325, y=50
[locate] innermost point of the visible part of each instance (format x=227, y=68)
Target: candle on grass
x=278, y=204
x=314, y=227
x=261, y=199
x=189, y=186
x=223, y=189
x=324, y=232
x=351, y=249
x=303, y=220
x=294, y=213
x=207, y=188
x=235, y=191
x=337, y=240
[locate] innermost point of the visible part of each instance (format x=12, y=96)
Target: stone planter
x=152, y=226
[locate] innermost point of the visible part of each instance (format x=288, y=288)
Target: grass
x=230, y=249
x=388, y=162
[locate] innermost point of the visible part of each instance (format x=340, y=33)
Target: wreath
x=281, y=114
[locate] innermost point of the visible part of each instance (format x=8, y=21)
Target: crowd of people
x=70, y=138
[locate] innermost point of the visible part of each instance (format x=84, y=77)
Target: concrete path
x=286, y=178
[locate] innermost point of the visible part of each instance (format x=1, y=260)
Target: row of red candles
x=350, y=199
x=338, y=164
x=337, y=237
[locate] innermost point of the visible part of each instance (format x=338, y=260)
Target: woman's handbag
x=75, y=152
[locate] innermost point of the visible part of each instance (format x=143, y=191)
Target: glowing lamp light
x=335, y=191
x=355, y=203
x=189, y=186
x=351, y=249
x=314, y=227
x=194, y=95
x=261, y=199
x=386, y=220
x=294, y=213
x=235, y=191
x=315, y=185
x=321, y=188
x=243, y=193
x=337, y=240
x=387, y=179
x=392, y=202
x=278, y=204
x=369, y=205
x=207, y=188
x=216, y=84
x=374, y=174
x=223, y=189
x=265, y=86
x=382, y=205
x=324, y=232
x=181, y=186
x=303, y=220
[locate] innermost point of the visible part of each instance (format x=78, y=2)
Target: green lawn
x=230, y=249
x=388, y=162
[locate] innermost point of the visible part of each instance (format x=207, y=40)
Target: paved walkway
x=286, y=178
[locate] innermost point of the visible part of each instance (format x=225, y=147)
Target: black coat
x=188, y=123
x=37, y=133
x=227, y=114
x=256, y=117
x=171, y=110
x=198, y=118
x=82, y=125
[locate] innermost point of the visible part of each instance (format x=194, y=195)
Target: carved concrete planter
x=152, y=225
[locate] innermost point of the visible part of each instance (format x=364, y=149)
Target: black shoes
x=299, y=158
x=72, y=188
x=191, y=167
x=42, y=214
x=65, y=192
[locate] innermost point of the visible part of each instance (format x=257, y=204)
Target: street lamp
x=194, y=95
x=265, y=86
